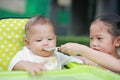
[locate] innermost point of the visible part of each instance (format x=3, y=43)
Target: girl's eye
x=99, y=38
x=91, y=38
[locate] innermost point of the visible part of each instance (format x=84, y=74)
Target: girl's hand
x=72, y=49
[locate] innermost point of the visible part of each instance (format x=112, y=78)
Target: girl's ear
x=117, y=41
x=26, y=42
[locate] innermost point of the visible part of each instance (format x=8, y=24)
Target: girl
x=104, y=42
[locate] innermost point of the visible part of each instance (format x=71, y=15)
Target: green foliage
x=77, y=39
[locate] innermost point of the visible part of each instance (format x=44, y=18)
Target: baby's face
x=40, y=37
x=101, y=39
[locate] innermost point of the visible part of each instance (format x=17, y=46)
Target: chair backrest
x=11, y=39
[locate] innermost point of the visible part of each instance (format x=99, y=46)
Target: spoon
x=51, y=49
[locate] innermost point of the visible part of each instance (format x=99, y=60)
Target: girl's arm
x=98, y=57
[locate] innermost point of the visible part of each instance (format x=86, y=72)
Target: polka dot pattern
x=11, y=39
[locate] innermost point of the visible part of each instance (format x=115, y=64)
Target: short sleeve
x=18, y=57
x=64, y=59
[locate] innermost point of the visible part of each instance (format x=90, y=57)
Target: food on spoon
x=50, y=49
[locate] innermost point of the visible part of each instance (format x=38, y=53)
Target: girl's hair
x=111, y=19
x=35, y=20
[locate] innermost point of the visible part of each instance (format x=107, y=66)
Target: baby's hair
x=113, y=20
x=35, y=20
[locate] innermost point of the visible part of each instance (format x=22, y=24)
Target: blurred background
x=70, y=17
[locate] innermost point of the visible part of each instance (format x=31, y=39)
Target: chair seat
x=11, y=39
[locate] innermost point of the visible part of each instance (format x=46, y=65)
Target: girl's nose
x=94, y=43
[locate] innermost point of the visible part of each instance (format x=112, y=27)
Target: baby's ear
x=26, y=42
x=117, y=41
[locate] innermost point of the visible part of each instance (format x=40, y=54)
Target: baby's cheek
x=53, y=45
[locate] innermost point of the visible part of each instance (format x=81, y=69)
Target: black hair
x=113, y=20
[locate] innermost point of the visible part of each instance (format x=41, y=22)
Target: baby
x=35, y=56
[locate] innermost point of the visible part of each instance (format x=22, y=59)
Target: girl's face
x=101, y=39
x=40, y=37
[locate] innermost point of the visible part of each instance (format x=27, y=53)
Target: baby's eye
x=38, y=40
x=50, y=39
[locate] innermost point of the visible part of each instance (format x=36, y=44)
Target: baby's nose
x=45, y=42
